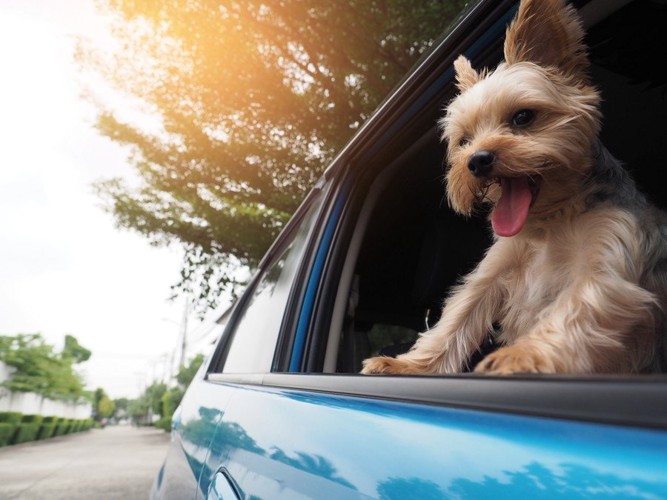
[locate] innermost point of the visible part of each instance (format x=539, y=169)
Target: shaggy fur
x=577, y=276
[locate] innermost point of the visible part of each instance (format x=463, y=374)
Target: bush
x=28, y=429
x=164, y=423
x=13, y=419
x=71, y=424
x=6, y=433
x=46, y=430
x=32, y=419
x=52, y=427
x=26, y=432
x=61, y=427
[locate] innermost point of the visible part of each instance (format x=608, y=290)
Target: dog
x=575, y=281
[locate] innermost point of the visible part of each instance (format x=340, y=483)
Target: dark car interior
x=412, y=248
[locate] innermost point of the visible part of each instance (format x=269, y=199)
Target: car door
x=252, y=343
x=297, y=436
x=248, y=345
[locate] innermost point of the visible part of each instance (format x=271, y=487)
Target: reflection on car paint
x=292, y=444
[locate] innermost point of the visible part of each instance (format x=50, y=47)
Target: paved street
x=118, y=462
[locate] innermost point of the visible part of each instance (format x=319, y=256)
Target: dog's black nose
x=481, y=162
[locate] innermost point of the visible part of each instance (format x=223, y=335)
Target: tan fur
x=580, y=288
x=466, y=76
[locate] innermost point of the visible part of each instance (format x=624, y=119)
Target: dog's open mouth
x=511, y=211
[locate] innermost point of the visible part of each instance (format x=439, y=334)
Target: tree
x=173, y=396
x=106, y=407
x=249, y=100
x=153, y=396
x=103, y=405
x=75, y=351
x=187, y=373
x=121, y=408
x=149, y=403
x=138, y=410
x=38, y=368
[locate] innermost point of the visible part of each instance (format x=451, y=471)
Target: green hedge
x=48, y=427
x=26, y=432
x=13, y=419
x=61, y=427
x=70, y=426
x=17, y=428
x=32, y=419
x=28, y=429
x=6, y=433
x=46, y=431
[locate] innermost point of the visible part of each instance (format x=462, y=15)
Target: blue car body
x=277, y=410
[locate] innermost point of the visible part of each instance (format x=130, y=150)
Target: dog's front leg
x=466, y=319
x=600, y=325
x=603, y=322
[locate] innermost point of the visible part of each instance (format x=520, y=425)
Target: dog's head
x=521, y=137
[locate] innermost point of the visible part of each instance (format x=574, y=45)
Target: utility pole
x=184, y=334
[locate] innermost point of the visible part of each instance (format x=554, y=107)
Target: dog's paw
x=514, y=359
x=383, y=365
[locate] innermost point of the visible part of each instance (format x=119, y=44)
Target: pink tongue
x=511, y=211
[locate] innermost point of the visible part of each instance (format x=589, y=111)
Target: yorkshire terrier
x=576, y=279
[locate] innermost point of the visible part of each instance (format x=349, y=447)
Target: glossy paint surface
x=193, y=430
x=294, y=444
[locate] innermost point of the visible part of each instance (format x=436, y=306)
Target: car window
x=255, y=333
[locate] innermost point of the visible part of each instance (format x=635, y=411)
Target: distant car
x=279, y=411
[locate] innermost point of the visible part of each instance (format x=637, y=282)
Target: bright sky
x=64, y=267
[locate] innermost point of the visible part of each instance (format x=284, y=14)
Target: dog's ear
x=466, y=76
x=548, y=33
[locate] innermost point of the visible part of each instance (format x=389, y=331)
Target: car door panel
x=193, y=430
x=286, y=443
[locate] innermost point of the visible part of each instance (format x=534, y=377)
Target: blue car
x=279, y=410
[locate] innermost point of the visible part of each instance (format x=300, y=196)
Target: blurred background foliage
x=39, y=368
x=159, y=400
x=248, y=101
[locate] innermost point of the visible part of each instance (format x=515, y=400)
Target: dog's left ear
x=466, y=76
x=548, y=33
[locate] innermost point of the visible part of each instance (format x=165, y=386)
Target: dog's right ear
x=466, y=76
x=548, y=33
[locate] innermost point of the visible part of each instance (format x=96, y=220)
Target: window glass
x=256, y=331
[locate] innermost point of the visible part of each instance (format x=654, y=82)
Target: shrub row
x=16, y=428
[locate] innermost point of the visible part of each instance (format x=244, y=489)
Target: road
x=118, y=462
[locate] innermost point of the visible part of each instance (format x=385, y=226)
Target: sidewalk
x=118, y=462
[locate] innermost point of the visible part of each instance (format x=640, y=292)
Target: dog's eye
x=523, y=118
x=464, y=141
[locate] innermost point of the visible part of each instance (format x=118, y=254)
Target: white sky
x=64, y=267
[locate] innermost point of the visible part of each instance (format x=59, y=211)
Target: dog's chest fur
x=538, y=268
